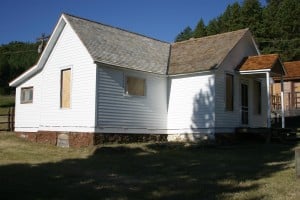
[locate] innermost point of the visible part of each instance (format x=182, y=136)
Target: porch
x=267, y=68
x=291, y=104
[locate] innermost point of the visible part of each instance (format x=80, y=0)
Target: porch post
x=268, y=101
x=282, y=102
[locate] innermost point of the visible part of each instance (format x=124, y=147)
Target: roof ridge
x=209, y=36
x=121, y=29
x=264, y=55
x=292, y=61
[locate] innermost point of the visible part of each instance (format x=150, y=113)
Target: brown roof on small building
x=202, y=54
x=262, y=62
x=259, y=62
x=292, y=70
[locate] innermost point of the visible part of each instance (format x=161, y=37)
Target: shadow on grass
x=153, y=171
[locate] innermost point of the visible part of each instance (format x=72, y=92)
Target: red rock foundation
x=89, y=139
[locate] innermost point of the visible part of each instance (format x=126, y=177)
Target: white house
x=95, y=82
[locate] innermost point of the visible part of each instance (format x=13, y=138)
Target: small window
x=229, y=92
x=65, y=88
x=257, y=97
x=27, y=95
x=135, y=86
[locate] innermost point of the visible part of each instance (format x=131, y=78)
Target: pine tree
x=230, y=20
x=200, y=30
x=213, y=27
x=251, y=16
x=186, y=34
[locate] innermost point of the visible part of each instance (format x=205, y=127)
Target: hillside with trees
x=15, y=58
x=275, y=26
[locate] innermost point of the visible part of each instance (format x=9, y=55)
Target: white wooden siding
x=227, y=121
x=27, y=115
x=68, y=52
x=191, y=104
x=117, y=112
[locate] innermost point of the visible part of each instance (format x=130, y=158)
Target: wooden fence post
x=12, y=118
x=8, y=119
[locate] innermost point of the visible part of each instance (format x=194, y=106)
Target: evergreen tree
x=251, y=16
x=213, y=27
x=200, y=30
x=230, y=20
x=186, y=34
x=276, y=27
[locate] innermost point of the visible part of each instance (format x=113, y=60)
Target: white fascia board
x=44, y=57
x=260, y=71
x=191, y=73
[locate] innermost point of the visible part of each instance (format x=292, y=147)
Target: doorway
x=244, y=104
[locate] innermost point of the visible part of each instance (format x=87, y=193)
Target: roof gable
x=202, y=54
x=270, y=62
x=121, y=48
x=292, y=70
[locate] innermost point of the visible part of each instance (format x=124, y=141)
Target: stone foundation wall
x=88, y=139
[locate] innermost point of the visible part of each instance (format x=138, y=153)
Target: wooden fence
x=7, y=120
x=291, y=101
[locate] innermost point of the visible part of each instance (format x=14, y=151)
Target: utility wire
x=16, y=52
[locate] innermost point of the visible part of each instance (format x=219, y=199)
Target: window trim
x=23, y=100
x=257, y=98
x=61, y=88
x=126, y=88
x=231, y=108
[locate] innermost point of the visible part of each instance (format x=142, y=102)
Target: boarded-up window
x=26, y=95
x=229, y=92
x=257, y=97
x=65, y=94
x=135, y=86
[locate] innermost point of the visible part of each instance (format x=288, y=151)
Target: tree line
x=15, y=58
x=275, y=26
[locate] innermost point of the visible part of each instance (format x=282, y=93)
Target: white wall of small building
x=120, y=113
x=191, y=104
x=227, y=121
x=45, y=112
x=27, y=115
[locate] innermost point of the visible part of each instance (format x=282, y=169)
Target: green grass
x=7, y=101
x=146, y=171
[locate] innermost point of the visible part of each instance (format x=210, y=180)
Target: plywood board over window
x=135, y=86
x=65, y=96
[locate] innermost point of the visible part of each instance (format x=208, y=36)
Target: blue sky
x=25, y=20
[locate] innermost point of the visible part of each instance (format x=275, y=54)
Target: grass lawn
x=7, y=101
x=146, y=171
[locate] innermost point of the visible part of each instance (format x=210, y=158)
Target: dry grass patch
x=146, y=171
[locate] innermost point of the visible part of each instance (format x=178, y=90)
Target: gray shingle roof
x=121, y=48
x=202, y=54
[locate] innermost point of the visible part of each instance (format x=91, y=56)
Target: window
x=257, y=97
x=229, y=92
x=65, y=88
x=26, y=95
x=135, y=86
